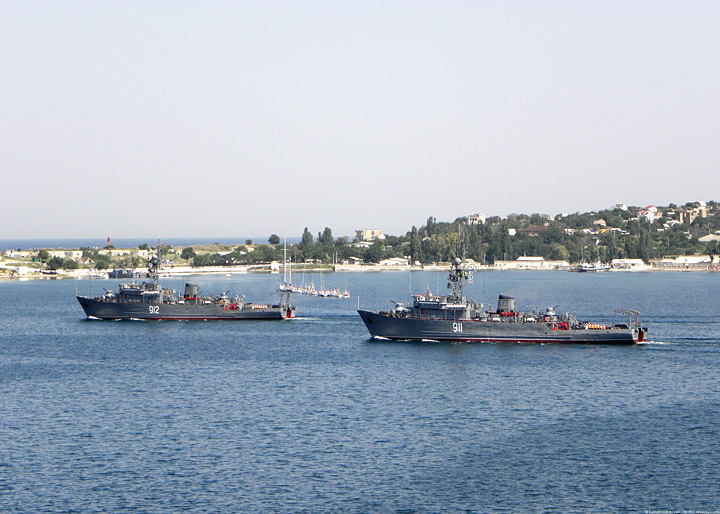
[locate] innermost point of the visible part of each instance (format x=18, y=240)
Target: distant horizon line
x=123, y=242
x=153, y=238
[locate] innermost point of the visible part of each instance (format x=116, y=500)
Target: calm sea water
x=309, y=415
x=28, y=244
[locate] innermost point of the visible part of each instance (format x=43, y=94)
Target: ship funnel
x=191, y=291
x=506, y=304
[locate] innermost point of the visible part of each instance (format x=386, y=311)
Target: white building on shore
x=531, y=263
x=629, y=265
x=686, y=262
x=395, y=261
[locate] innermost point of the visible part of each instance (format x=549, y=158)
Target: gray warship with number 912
x=149, y=301
x=454, y=318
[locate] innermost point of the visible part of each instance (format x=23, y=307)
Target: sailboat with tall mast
x=286, y=285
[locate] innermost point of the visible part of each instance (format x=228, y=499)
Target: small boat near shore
x=594, y=267
x=121, y=273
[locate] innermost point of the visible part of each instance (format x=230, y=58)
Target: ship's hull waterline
x=412, y=328
x=202, y=312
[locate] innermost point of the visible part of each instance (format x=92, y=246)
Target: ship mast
x=154, y=264
x=456, y=275
x=455, y=281
x=285, y=277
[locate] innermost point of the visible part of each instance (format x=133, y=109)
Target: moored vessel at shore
x=452, y=317
x=121, y=273
x=147, y=300
x=594, y=267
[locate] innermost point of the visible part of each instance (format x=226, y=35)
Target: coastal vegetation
x=622, y=232
x=618, y=233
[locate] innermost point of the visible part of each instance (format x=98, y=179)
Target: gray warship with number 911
x=454, y=318
x=149, y=301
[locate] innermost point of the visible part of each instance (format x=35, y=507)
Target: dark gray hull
x=148, y=311
x=407, y=328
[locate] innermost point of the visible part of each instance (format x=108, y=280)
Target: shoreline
x=182, y=271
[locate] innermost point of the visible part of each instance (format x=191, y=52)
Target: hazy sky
x=239, y=118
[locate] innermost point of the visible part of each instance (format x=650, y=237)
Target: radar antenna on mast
x=455, y=278
x=154, y=264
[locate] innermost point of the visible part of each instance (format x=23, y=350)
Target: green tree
x=265, y=253
x=537, y=220
x=102, y=262
x=326, y=237
x=644, y=246
x=415, y=245
x=207, y=259
x=54, y=263
x=324, y=249
x=274, y=239
x=505, y=243
x=69, y=264
x=713, y=249
x=306, y=244
x=431, y=249
x=630, y=248
x=558, y=252
x=43, y=255
x=431, y=226
x=89, y=253
x=187, y=253
x=374, y=253
x=199, y=260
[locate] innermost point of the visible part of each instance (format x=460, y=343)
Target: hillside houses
x=647, y=214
